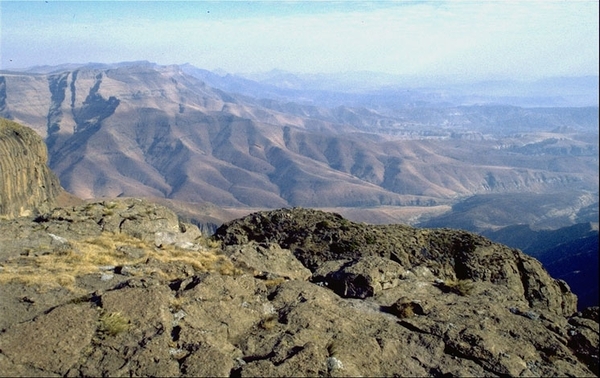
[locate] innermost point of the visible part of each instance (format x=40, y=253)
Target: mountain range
x=140, y=129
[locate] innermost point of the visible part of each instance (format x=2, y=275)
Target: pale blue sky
x=472, y=39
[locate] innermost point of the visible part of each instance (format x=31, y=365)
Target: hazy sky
x=518, y=39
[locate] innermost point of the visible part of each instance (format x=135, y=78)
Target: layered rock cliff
x=27, y=185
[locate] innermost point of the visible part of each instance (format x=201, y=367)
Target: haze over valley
x=140, y=129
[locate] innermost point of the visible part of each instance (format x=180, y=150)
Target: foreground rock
x=290, y=293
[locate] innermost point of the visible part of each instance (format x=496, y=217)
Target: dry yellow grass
x=460, y=287
x=113, y=323
x=268, y=322
x=274, y=282
x=87, y=256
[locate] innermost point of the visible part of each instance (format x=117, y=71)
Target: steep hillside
x=145, y=130
x=490, y=212
x=576, y=262
x=27, y=185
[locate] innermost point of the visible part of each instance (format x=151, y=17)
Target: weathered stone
x=362, y=278
x=52, y=342
x=208, y=361
x=405, y=308
x=584, y=337
x=163, y=318
x=268, y=259
x=316, y=237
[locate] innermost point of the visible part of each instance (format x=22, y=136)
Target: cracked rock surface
x=290, y=292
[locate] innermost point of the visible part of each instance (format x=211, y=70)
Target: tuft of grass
x=333, y=348
x=268, y=322
x=88, y=206
x=460, y=287
x=274, y=282
x=211, y=243
x=177, y=304
x=405, y=310
x=113, y=323
x=111, y=205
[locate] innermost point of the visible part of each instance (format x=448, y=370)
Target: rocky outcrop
x=27, y=185
x=316, y=238
x=292, y=292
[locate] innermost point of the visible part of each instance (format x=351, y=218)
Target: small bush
x=404, y=310
x=324, y=224
x=333, y=348
x=370, y=239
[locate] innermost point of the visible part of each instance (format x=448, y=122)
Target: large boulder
x=361, y=278
x=269, y=261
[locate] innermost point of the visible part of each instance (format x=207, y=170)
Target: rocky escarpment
x=27, y=185
x=123, y=287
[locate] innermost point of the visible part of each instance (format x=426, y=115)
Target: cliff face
x=27, y=185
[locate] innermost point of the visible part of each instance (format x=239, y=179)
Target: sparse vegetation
x=268, y=322
x=177, y=304
x=370, y=239
x=47, y=267
x=404, y=311
x=460, y=287
x=333, y=348
x=112, y=324
x=274, y=282
x=111, y=205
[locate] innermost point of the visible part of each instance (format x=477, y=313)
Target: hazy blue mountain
x=377, y=89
